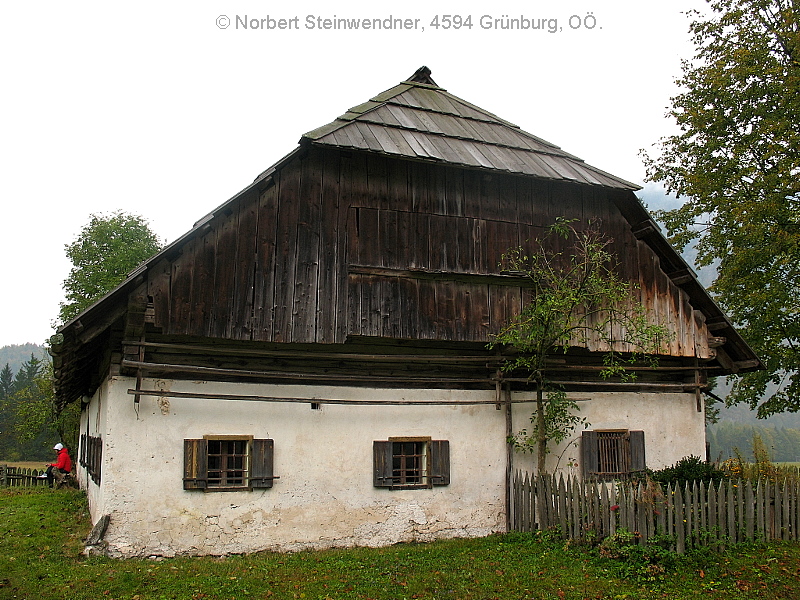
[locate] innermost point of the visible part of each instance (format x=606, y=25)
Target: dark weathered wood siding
x=342, y=244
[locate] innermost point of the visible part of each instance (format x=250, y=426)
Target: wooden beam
x=682, y=276
x=222, y=350
x=716, y=341
x=717, y=324
x=149, y=367
x=513, y=280
x=726, y=361
x=644, y=229
x=293, y=399
x=747, y=364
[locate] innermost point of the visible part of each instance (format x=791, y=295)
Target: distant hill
x=16, y=354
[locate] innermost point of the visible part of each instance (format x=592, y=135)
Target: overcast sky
x=166, y=110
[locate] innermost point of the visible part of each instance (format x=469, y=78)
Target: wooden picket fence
x=20, y=477
x=690, y=516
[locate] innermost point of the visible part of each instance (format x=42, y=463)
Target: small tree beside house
x=576, y=294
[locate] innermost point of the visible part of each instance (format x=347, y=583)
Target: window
x=227, y=463
x=411, y=463
x=612, y=454
x=91, y=456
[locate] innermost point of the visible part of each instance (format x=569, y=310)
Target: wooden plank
x=464, y=245
x=399, y=185
x=392, y=314
x=561, y=494
x=377, y=181
x=453, y=192
x=158, y=288
x=420, y=190
x=227, y=273
x=332, y=267
x=306, y=278
x=427, y=314
x=680, y=530
x=750, y=510
x=368, y=237
x=249, y=240
x=439, y=245
x=472, y=184
x=388, y=241
x=264, y=269
x=204, y=285
x=445, y=310
x=181, y=290
x=419, y=241
x=289, y=201
x=478, y=244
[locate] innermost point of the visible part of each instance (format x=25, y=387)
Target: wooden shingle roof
x=419, y=120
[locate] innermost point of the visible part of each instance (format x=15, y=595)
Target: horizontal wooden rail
x=290, y=399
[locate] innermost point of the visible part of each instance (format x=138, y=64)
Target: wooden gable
x=355, y=251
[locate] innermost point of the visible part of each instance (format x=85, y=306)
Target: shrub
x=634, y=560
x=687, y=469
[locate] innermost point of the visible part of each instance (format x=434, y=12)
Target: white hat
x=58, y=446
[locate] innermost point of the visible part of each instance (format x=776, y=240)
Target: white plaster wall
x=93, y=422
x=324, y=497
x=673, y=428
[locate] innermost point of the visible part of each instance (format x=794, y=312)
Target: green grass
x=41, y=533
x=26, y=464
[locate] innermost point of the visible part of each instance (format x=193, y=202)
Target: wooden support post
x=698, y=396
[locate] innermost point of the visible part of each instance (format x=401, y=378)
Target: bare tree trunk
x=541, y=430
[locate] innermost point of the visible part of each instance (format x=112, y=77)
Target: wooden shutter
x=261, y=464
x=195, y=469
x=382, y=464
x=589, y=454
x=637, y=450
x=440, y=462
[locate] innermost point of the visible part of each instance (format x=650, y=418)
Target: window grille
x=228, y=463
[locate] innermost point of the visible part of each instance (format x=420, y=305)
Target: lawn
x=41, y=533
x=26, y=464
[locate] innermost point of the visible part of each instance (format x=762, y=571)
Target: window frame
x=257, y=473
x=228, y=473
x=390, y=463
x=91, y=456
x=598, y=462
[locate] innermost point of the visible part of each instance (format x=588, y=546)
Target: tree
x=736, y=162
x=37, y=419
x=575, y=298
x=6, y=382
x=107, y=249
x=21, y=437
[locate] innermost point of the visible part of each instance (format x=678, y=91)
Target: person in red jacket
x=63, y=463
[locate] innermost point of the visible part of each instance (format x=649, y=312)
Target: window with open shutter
x=227, y=463
x=612, y=454
x=411, y=463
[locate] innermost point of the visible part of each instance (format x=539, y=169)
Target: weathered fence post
x=680, y=530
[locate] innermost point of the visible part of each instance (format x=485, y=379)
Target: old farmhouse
x=308, y=366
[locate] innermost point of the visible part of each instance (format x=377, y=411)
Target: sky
x=167, y=109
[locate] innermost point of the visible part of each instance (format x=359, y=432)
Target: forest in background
x=26, y=430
